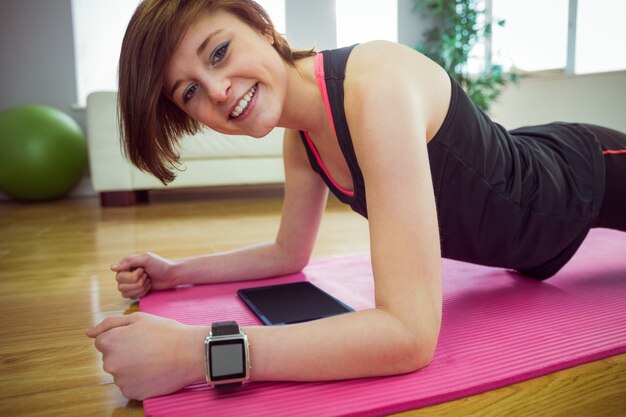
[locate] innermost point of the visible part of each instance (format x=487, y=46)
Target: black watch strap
x=224, y=328
x=227, y=387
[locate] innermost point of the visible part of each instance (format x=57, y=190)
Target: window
x=360, y=21
x=534, y=36
x=99, y=28
x=276, y=10
x=600, y=36
x=577, y=36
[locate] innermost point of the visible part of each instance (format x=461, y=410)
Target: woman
x=378, y=117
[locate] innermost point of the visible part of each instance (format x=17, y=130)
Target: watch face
x=227, y=359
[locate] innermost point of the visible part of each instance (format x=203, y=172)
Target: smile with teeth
x=243, y=103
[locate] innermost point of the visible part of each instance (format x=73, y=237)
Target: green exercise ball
x=43, y=153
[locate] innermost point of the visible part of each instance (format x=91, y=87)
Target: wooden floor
x=55, y=282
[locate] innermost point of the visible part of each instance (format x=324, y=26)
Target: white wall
x=591, y=98
x=311, y=24
x=411, y=24
x=37, y=55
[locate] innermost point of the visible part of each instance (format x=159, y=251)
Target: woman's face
x=227, y=76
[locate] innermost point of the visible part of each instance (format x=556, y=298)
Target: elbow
x=292, y=261
x=294, y=264
x=413, y=350
x=415, y=354
x=298, y=263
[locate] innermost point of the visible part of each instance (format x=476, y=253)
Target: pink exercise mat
x=498, y=329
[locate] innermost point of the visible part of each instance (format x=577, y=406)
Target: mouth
x=243, y=103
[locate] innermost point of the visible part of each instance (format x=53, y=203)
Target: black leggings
x=613, y=211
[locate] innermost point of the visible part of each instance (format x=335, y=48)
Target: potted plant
x=458, y=25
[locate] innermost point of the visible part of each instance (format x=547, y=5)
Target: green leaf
x=450, y=41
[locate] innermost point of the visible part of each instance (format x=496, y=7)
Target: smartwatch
x=227, y=356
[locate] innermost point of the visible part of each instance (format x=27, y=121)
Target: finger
x=147, y=288
x=129, y=283
x=136, y=289
x=129, y=288
x=108, y=324
x=127, y=277
x=126, y=283
x=135, y=292
x=129, y=263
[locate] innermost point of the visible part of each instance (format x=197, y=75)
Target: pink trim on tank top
x=348, y=193
x=321, y=82
x=319, y=76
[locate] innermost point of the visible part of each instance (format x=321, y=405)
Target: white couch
x=208, y=158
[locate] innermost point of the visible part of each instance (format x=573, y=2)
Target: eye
x=219, y=53
x=190, y=92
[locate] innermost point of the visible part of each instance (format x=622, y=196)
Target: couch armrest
x=110, y=171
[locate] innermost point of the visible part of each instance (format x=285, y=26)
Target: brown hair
x=151, y=124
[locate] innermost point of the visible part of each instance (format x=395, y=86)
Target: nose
x=218, y=89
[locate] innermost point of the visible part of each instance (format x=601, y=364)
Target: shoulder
x=392, y=74
x=374, y=59
x=372, y=52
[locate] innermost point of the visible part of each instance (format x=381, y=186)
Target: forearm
x=361, y=344
x=305, y=199
x=253, y=262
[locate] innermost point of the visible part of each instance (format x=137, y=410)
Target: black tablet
x=291, y=303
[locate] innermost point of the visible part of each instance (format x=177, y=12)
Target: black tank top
x=523, y=199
